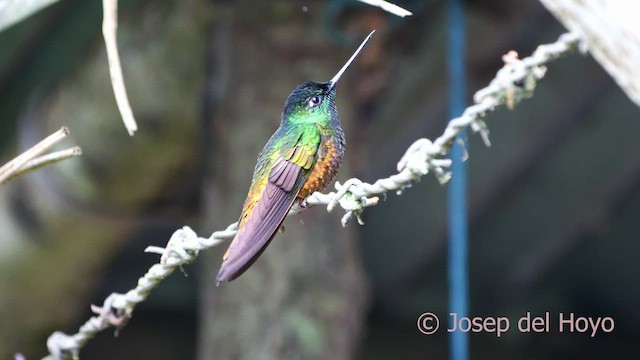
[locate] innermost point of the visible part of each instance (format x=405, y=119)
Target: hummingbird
x=301, y=157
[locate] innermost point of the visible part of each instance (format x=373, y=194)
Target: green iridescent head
x=311, y=102
x=315, y=101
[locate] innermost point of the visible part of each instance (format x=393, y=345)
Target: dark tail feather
x=230, y=271
x=257, y=232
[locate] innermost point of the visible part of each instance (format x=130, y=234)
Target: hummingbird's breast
x=329, y=160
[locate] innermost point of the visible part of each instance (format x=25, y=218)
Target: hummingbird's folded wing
x=259, y=225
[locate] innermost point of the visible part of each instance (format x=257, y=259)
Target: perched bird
x=301, y=157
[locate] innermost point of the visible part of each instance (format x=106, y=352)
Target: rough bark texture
x=305, y=297
x=611, y=32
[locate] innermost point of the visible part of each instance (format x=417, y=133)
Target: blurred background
x=554, y=203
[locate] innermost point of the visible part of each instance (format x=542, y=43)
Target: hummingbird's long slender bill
x=335, y=79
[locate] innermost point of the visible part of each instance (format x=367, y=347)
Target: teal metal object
x=457, y=191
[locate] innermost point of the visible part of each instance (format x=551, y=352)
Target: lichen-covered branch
x=514, y=82
x=33, y=159
x=610, y=30
x=14, y=11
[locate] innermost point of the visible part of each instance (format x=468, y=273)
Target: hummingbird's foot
x=281, y=229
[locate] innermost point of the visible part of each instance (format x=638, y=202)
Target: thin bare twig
x=31, y=160
x=45, y=160
x=514, y=82
x=388, y=7
x=109, y=31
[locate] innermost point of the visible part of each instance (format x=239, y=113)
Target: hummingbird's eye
x=314, y=101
